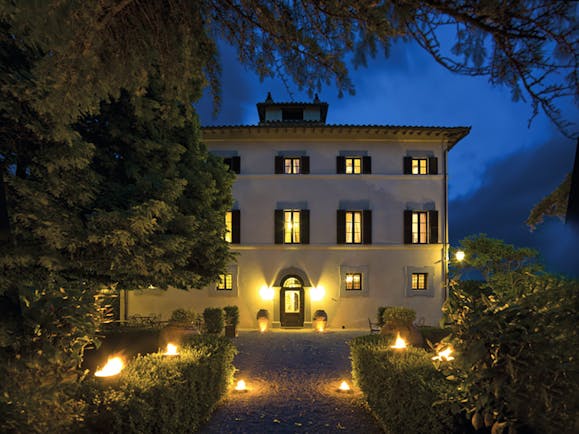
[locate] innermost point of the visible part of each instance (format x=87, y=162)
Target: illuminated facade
x=344, y=218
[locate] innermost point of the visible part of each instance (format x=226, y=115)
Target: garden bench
x=374, y=327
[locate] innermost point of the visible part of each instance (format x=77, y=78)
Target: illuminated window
x=419, y=281
x=354, y=281
x=225, y=282
x=419, y=227
x=353, y=227
x=419, y=166
x=353, y=165
x=292, y=166
x=228, y=226
x=291, y=228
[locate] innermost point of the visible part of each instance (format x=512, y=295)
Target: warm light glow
x=320, y=326
x=459, y=255
x=349, y=278
x=444, y=356
x=266, y=293
x=113, y=367
x=262, y=322
x=241, y=387
x=344, y=387
x=171, y=350
x=317, y=293
x=399, y=344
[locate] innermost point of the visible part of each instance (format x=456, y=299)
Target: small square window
x=353, y=281
x=353, y=165
x=419, y=281
x=292, y=166
x=225, y=282
x=419, y=166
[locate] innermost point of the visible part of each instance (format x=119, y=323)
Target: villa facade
x=343, y=218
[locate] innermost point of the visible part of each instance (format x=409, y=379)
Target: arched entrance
x=291, y=302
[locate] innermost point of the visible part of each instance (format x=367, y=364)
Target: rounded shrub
x=398, y=316
x=182, y=316
x=231, y=315
x=320, y=314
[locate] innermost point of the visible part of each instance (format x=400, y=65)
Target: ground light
x=344, y=387
x=113, y=366
x=444, y=355
x=241, y=386
x=171, y=350
x=400, y=343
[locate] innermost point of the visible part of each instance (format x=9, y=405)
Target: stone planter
x=230, y=331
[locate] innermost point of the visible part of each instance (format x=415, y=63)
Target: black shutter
x=341, y=226
x=407, y=226
x=305, y=165
x=433, y=222
x=367, y=226
x=305, y=226
x=278, y=216
x=235, y=226
x=366, y=165
x=407, y=165
x=433, y=166
x=340, y=164
x=236, y=164
x=278, y=164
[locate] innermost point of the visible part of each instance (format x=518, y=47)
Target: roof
x=450, y=135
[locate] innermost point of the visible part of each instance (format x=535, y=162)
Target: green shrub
x=162, y=394
x=231, y=315
x=213, y=319
x=403, y=388
x=380, y=315
x=182, y=317
x=433, y=334
x=398, y=316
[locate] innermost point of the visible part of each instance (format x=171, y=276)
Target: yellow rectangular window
x=420, y=227
x=419, y=166
x=291, y=229
x=354, y=281
x=225, y=281
x=353, y=165
x=419, y=281
x=292, y=166
x=353, y=227
x=228, y=226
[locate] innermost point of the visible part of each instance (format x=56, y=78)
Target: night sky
x=496, y=174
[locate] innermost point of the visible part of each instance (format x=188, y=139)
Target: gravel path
x=293, y=379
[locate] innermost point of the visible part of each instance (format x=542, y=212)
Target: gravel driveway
x=293, y=378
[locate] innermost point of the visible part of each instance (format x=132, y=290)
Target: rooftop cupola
x=271, y=112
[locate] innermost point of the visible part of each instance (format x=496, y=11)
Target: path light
x=241, y=386
x=444, y=355
x=344, y=387
x=400, y=343
x=113, y=366
x=171, y=350
x=459, y=255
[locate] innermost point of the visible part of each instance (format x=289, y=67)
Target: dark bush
x=213, y=319
x=231, y=315
x=380, y=315
x=403, y=388
x=262, y=313
x=182, y=317
x=433, y=334
x=320, y=314
x=162, y=394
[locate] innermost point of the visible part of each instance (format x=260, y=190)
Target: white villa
x=344, y=218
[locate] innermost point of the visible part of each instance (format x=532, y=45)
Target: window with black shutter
x=340, y=164
x=341, y=226
x=305, y=226
x=367, y=226
x=366, y=165
x=278, y=226
x=433, y=221
x=235, y=226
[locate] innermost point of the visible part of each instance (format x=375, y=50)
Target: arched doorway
x=291, y=302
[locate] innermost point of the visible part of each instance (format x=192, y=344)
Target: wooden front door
x=292, y=303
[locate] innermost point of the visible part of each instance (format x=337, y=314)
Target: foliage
x=526, y=45
x=231, y=315
x=40, y=354
x=380, y=315
x=320, y=314
x=162, y=394
x=434, y=334
x=403, y=388
x=213, y=319
x=555, y=204
x=518, y=353
x=398, y=316
x=182, y=316
x=262, y=313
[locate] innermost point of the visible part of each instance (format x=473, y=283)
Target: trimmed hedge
x=162, y=394
x=214, y=320
x=403, y=388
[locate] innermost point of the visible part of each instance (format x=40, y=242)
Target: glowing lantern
x=171, y=350
x=266, y=293
x=320, y=325
x=444, y=356
x=241, y=386
x=344, y=387
x=317, y=293
x=263, y=323
x=459, y=255
x=113, y=367
x=400, y=343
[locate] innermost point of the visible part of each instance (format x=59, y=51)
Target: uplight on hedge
x=113, y=367
x=400, y=343
x=344, y=386
x=171, y=350
x=241, y=386
x=444, y=355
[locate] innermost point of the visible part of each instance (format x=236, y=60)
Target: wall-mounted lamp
x=317, y=293
x=459, y=255
x=266, y=293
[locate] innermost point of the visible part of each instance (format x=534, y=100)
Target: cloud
x=509, y=190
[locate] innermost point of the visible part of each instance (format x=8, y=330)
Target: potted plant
x=320, y=319
x=263, y=319
x=231, y=320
